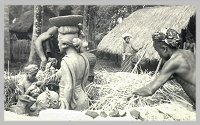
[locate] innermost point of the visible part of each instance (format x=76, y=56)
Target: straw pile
x=110, y=91
x=141, y=24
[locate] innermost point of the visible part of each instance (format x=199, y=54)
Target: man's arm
x=38, y=43
x=167, y=71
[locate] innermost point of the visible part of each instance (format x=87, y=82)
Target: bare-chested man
x=179, y=63
x=29, y=79
x=51, y=46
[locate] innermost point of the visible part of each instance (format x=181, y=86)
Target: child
x=29, y=78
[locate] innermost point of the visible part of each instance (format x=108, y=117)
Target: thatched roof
x=142, y=24
x=25, y=22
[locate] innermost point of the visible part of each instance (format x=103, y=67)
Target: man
x=128, y=54
x=47, y=46
x=27, y=89
x=29, y=79
x=179, y=63
x=190, y=43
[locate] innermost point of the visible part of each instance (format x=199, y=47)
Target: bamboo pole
x=136, y=65
x=158, y=67
x=92, y=50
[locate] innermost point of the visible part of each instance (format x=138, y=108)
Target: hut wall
x=20, y=50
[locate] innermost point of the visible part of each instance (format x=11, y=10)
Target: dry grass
x=110, y=91
x=10, y=89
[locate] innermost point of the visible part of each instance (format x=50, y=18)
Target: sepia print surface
x=99, y=63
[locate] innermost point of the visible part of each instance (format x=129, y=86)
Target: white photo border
x=97, y=2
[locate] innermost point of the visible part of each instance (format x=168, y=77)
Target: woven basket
x=71, y=20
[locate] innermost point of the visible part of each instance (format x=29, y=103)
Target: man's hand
x=43, y=65
x=130, y=96
x=144, y=91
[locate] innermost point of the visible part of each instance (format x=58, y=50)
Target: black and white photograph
x=99, y=62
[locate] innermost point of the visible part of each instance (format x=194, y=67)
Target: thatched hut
x=143, y=23
x=24, y=24
x=21, y=33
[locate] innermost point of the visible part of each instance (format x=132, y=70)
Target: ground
x=109, y=91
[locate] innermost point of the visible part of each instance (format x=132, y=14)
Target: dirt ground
x=164, y=112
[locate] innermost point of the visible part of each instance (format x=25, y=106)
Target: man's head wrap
x=32, y=68
x=170, y=36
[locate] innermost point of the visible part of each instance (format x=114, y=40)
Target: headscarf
x=170, y=36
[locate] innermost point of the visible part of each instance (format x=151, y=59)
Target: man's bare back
x=185, y=74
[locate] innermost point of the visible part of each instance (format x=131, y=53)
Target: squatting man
x=179, y=63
